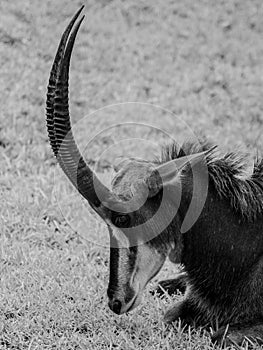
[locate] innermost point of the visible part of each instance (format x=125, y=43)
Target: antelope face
x=130, y=271
x=135, y=256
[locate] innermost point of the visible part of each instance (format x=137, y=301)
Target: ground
x=202, y=61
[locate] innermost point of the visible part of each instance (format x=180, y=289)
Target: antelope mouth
x=132, y=304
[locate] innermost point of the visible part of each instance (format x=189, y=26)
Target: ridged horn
x=59, y=127
x=52, y=83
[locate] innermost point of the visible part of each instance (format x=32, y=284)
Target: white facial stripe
x=142, y=265
x=123, y=241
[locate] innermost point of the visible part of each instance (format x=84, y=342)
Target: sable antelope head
x=143, y=228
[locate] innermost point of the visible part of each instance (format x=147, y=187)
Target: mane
x=231, y=175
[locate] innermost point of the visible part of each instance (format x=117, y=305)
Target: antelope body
x=222, y=252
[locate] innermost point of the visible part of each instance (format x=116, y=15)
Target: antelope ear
x=168, y=172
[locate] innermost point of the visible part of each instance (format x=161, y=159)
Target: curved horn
x=52, y=83
x=59, y=127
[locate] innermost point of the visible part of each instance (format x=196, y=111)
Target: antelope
x=221, y=251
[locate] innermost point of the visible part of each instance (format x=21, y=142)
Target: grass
x=201, y=60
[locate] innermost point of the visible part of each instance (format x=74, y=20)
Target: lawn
x=194, y=68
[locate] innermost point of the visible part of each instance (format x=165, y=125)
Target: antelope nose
x=115, y=306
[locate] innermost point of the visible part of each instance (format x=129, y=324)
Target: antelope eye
x=121, y=221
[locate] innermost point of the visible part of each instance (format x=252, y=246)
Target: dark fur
x=229, y=176
x=223, y=252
